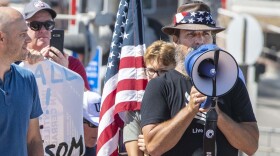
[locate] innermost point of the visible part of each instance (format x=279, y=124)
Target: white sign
x=245, y=42
x=61, y=94
x=244, y=39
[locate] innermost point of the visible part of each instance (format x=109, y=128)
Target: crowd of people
x=167, y=121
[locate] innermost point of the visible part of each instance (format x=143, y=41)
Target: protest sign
x=61, y=95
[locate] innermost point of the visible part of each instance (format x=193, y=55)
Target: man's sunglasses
x=89, y=123
x=36, y=25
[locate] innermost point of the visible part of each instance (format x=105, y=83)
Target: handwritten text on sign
x=61, y=94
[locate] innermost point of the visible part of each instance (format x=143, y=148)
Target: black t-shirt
x=165, y=96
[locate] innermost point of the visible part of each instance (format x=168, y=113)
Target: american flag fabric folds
x=125, y=79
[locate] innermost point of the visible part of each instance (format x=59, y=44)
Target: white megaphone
x=212, y=70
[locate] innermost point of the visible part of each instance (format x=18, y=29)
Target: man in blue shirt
x=19, y=100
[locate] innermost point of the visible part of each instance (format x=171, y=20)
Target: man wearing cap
x=91, y=110
x=40, y=17
x=173, y=125
x=19, y=99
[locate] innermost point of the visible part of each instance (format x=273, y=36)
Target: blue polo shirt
x=19, y=102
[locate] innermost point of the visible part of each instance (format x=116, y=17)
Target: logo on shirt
x=210, y=133
x=197, y=130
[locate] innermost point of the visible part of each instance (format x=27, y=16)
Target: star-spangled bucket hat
x=35, y=6
x=91, y=107
x=194, y=16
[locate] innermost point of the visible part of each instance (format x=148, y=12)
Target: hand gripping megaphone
x=212, y=70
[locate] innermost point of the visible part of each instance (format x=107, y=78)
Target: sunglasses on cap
x=85, y=121
x=36, y=25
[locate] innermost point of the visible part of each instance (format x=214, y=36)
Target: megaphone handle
x=214, y=102
x=209, y=136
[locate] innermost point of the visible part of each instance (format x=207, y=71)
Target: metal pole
x=244, y=41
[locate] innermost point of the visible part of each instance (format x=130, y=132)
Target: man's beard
x=180, y=56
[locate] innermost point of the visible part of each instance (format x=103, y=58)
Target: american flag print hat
x=194, y=16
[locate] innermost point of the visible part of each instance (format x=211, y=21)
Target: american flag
x=125, y=80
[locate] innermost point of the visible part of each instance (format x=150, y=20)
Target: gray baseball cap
x=35, y=6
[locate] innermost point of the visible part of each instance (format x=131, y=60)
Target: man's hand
x=141, y=144
x=55, y=55
x=196, y=98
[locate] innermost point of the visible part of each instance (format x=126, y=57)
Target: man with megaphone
x=172, y=119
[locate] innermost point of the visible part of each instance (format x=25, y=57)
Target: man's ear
x=214, y=38
x=1, y=36
x=175, y=39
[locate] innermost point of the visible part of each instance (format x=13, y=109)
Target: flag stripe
x=110, y=132
x=109, y=87
x=112, y=83
x=106, y=109
x=129, y=105
x=127, y=84
x=128, y=95
x=132, y=62
x=131, y=73
x=109, y=138
x=134, y=51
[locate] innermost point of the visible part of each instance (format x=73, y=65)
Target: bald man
x=19, y=100
x=4, y=3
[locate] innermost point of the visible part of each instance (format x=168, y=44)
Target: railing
x=269, y=144
x=271, y=54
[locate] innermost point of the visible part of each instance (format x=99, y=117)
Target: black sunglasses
x=89, y=123
x=36, y=25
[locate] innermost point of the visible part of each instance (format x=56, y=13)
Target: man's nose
x=28, y=39
x=43, y=28
x=199, y=40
